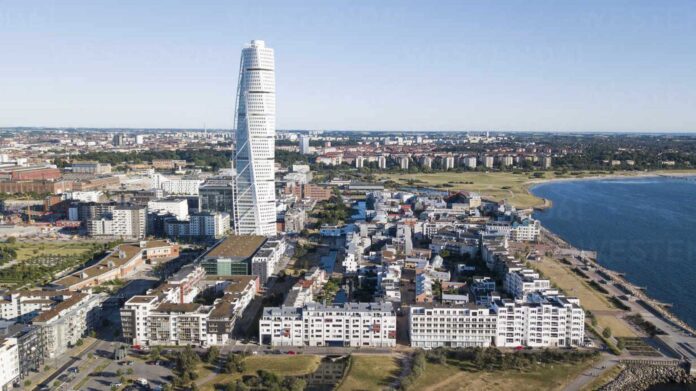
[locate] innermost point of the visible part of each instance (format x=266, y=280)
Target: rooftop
x=237, y=246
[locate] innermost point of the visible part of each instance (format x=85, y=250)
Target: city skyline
x=449, y=66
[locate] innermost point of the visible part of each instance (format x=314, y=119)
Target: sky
x=354, y=65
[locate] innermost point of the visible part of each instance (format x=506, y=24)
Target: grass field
x=590, y=299
x=501, y=185
x=28, y=250
x=439, y=377
x=494, y=185
x=370, y=373
x=281, y=365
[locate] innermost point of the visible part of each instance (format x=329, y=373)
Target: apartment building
x=451, y=326
x=267, y=259
x=168, y=316
x=29, y=351
x=60, y=327
x=200, y=225
x=520, y=283
x=175, y=207
x=128, y=222
x=539, y=321
x=9, y=363
x=349, y=324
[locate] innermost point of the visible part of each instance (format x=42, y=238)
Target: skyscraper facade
x=254, y=202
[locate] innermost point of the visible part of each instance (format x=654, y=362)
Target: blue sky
x=395, y=65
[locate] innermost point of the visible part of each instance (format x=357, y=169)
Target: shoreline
x=531, y=184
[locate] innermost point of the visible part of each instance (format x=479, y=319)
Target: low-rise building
x=232, y=255
x=122, y=262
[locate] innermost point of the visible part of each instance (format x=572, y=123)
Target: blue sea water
x=644, y=227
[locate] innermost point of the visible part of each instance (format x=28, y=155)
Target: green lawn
x=501, y=185
x=28, y=250
x=281, y=365
x=440, y=377
x=370, y=373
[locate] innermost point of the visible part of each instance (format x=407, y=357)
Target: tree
x=621, y=344
x=606, y=333
x=212, y=354
x=155, y=353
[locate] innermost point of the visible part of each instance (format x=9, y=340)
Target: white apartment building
x=382, y=162
x=470, y=162
x=209, y=224
x=182, y=186
x=129, y=222
x=520, y=283
x=168, y=316
x=266, y=261
x=449, y=163
x=176, y=207
x=67, y=321
x=9, y=362
x=451, y=326
x=350, y=324
x=539, y=321
x=254, y=201
x=526, y=231
x=304, y=144
x=488, y=161
x=403, y=162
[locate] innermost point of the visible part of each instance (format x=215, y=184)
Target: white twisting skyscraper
x=254, y=203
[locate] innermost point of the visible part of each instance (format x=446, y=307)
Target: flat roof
x=237, y=246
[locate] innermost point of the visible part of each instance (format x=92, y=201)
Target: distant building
x=403, y=162
x=129, y=222
x=94, y=168
x=304, y=144
x=175, y=207
x=216, y=195
x=470, y=162
x=382, y=162
x=449, y=163
x=547, y=162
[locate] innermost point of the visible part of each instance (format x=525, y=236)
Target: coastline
x=531, y=184
x=617, y=277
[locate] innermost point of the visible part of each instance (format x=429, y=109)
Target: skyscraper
x=254, y=202
x=304, y=144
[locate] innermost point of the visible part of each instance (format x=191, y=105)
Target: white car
x=141, y=381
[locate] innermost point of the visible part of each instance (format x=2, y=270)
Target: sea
x=643, y=227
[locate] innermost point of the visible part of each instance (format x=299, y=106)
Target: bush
x=606, y=333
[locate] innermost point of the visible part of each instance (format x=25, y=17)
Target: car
x=116, y=384
x=518, y=348
x=292, y=353
x=74, y=370
x=129, y=363
x=141, y=381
